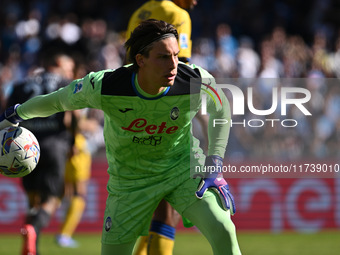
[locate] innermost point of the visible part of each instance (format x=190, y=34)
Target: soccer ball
x=20, y=151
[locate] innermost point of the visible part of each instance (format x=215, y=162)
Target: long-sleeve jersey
x=145, y=136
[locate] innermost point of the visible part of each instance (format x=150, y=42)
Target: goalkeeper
x=149, y=145
x=161, y=238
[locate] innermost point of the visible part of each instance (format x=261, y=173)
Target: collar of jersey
x=143, y=94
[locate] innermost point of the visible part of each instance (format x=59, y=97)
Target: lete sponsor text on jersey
x=140, y=125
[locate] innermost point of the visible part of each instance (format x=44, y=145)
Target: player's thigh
x=48, y=177
x=81, y=188
x=167, y=214
x=128, y=215
x=78, y=167
x=54, y=166
x=183, y=195
x=214, y=222
x=117, y=249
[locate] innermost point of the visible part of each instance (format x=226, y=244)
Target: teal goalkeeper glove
x=10, y=117
x=214, y=180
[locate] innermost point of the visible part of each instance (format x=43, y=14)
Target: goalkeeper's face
x=159, y=67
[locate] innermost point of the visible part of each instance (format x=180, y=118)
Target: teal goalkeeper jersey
x=145, y=136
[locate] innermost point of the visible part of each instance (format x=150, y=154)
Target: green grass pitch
x=252, y=243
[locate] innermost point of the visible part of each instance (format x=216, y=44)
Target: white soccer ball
x=20, y=151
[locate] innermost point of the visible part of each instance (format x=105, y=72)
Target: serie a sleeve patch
x=183, y=41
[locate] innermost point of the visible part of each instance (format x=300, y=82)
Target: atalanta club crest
x=108, y=224
x=174, y=114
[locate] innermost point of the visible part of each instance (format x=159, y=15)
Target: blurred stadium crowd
x=259, y=41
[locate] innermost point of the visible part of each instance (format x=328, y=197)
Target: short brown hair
x=144, y=35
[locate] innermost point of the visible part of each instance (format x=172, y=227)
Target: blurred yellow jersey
x=170, y=13
x=78, y=166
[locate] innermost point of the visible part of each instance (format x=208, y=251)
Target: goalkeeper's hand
x=215, y=181
x=10, y=117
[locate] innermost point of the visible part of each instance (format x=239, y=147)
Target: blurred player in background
x=149, y=145
x=45, y=185
x=87, y=130
x=172, y=12
x=163, y=226
x=77, y=175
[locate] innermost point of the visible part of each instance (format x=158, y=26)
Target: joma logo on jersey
x=140, y=125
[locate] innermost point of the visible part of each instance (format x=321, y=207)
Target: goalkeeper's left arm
x=218, y=131
x=218, y=135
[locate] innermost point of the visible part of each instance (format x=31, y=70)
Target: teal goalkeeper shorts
x=128, y=215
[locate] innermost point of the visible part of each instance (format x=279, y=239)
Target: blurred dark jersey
x=40, y=84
